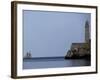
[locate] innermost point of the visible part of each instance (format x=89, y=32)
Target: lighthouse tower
x=87, y=33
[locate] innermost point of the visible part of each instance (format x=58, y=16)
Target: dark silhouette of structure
x=28, y=55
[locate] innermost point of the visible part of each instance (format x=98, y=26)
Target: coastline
x=87, y=57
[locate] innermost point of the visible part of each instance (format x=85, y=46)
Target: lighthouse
x=87, y=33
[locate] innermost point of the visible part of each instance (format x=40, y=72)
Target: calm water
x=56, y=62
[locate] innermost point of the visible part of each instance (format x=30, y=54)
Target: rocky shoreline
x=87, y=57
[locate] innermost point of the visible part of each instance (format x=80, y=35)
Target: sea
x=53, y=62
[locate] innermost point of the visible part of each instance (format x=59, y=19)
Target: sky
x=50, y=33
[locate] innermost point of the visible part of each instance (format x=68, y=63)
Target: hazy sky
x=50, y=34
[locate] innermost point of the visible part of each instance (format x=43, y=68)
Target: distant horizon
x=45, y=57
x=50, y=34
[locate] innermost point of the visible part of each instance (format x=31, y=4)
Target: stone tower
x=87, y=32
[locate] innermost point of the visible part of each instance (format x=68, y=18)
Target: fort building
x=81, y=49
